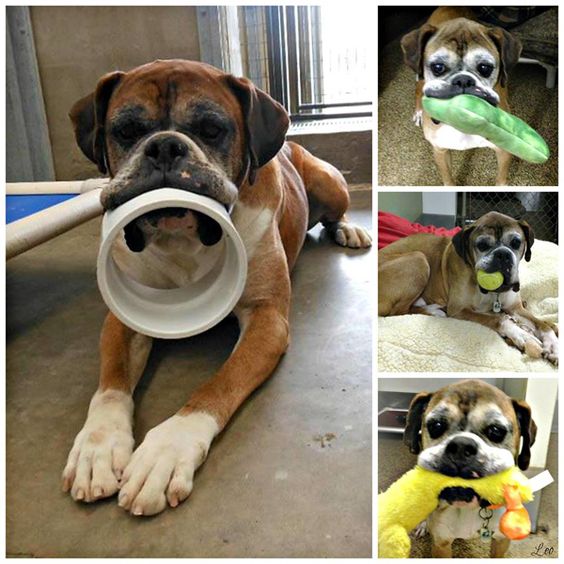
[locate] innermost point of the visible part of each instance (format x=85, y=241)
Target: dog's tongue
x=172, y=223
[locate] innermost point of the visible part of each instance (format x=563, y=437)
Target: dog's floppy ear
x=266, y=122
x=461, y=243
x=88, y=117
x=529, y=238
x=413, y=46
x=412, y=433
x=528, y=430
x=509, y=48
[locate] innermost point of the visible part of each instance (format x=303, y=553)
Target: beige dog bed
x=420, y=343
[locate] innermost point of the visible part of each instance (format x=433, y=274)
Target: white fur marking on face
x=162, y=468
x=102, y=448
x=491, y=459
x=251, y=224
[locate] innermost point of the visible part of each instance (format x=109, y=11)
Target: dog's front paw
x=351, y=235
x=101, y=449
x=523, y=339
x=163, y=466
x=418, y=118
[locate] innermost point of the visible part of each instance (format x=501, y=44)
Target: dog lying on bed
x=437, y=276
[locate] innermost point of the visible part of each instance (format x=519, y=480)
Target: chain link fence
x=538, y=209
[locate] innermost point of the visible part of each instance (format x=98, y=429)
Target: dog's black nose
x=461, y=449
x=464, y=81
x=164, y=151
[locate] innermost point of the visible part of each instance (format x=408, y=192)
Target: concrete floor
x=290, y=476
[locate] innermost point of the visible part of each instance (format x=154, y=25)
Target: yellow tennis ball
x=490, y=280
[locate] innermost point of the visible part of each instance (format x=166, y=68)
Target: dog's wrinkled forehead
x=496, y=225
x=460, y=37
x=470, y=402
x=172, y=92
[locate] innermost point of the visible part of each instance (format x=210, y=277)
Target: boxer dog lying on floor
x=469, y=429
x=435, y=275
x=190, y=126
x=454, y=54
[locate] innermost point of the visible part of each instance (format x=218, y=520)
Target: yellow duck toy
x=413, y=497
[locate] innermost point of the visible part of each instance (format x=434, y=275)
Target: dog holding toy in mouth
x=472, y=276
x=187, y=125
x=469, y=430
x=452, y=54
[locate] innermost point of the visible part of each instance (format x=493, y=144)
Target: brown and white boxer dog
x=434, y=275
x=190, y=126
x=453, y=54
x=470, y=430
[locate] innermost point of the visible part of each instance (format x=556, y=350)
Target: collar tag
x=497, y=304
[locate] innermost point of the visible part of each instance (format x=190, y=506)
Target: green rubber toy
x=489, y=280
x=475, y=116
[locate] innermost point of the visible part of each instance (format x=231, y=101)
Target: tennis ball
x=489, y=280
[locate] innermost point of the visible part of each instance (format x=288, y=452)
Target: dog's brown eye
x=495, y=433
x=482, y=246
x=436, y=428
x=129, y=132
x=485, y=69
x=438, y=68
x=210, y=130
x=515, y=243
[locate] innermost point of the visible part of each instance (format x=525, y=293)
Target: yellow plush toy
x=413, y=497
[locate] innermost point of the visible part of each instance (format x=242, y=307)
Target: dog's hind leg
x=401, y=281
x=328, y=197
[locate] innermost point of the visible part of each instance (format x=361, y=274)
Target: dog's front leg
x=163, y=466
x=444, y=164
x=103, y=447
x=499, y=547
x=506, y=326
x=503, y=162
x=545, y=331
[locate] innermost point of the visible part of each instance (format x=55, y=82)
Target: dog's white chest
x=460, y=523
x=484, y=303
x=446, y=137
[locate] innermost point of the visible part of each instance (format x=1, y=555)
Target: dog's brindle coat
x=469, y=407
x=190, y=126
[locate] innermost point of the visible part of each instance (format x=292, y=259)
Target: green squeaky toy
x=489, y=280
x=475, y=116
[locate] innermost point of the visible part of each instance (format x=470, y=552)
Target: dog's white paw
x=418, y=118
x=550, y=346
x=435, y=310
x=162, y=468
x=352, y=236
x=523, y=339
x=101, y=449
x=421, y=530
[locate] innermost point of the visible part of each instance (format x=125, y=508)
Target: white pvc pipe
x=35, y=229
x=61, y=187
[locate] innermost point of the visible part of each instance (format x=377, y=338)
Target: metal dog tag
x=497, y=304
x=485, y=534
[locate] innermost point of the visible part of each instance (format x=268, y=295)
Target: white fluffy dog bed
x=420, y=343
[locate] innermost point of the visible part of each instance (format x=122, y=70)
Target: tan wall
x=76, y=45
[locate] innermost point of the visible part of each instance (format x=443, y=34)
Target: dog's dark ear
x=528, y=431
x=529, y=238
x=88, y=117
x=412, y=433
x=509, y=48
x=461, y=243
x=413, y=46
x=266, y=122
